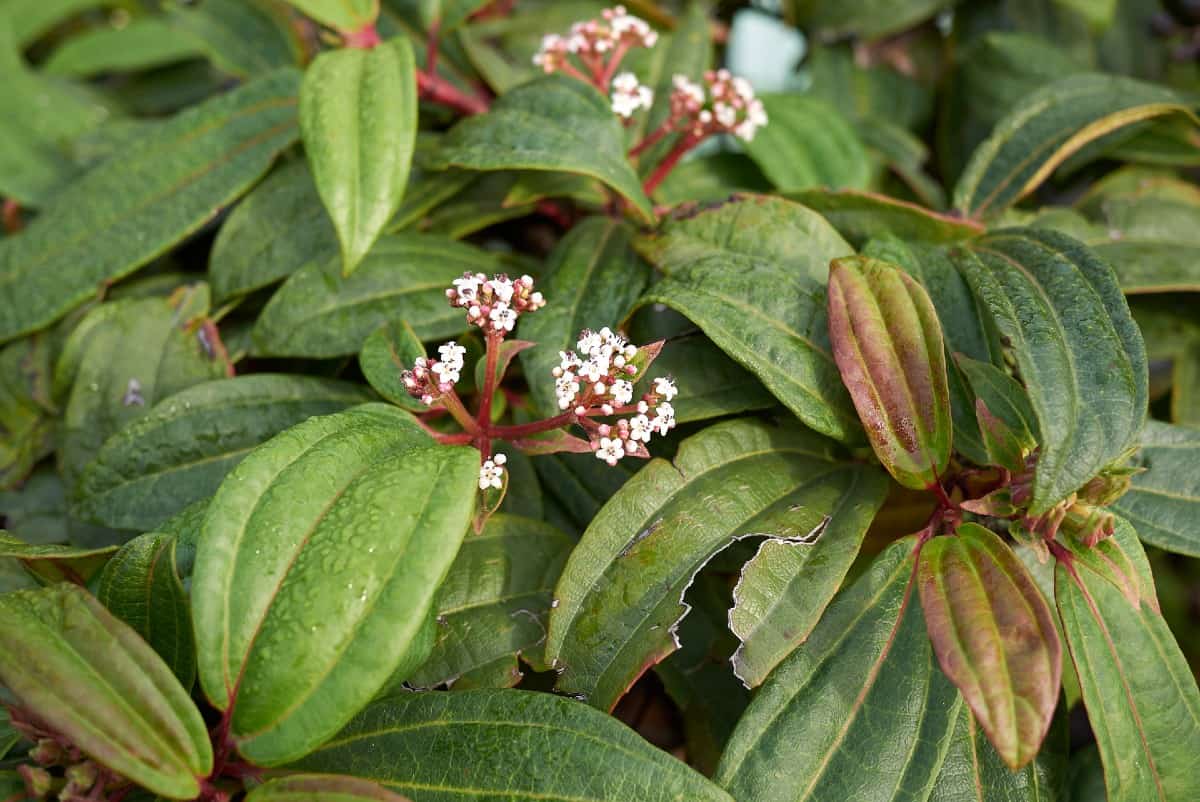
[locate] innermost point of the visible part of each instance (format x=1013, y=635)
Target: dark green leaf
x=551, y=123
x=1080, y=355
x=827, y=726
x=493, y=605
x=1141, y=697
x=513, y=745
x=88, y=676
x=711, y=385
x=31, y=19
x=621, y=594
x=389, y=351
x=594, y=277
x=1164, y=502
x=358, y=115
x=321, y=788
x=140, y=585
x=807, y=144
x=860, y=216
x=994, y=638
x=317, y=568
x=241, y=37
x=132, y=208
x=145, y=43
x=751, y=274
x=181, y=449
x=320, y=313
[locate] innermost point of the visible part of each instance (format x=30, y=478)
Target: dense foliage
x=463, y=400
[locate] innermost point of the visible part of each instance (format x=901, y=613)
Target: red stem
x=438, y=90
x=431, y=47
x=613, y=62
x=668, y=163
x=653, y=138
x=454, y=406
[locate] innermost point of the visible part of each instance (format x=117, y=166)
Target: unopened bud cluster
x=430, y=379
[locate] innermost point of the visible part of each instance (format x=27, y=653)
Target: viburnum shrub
x=531, y=401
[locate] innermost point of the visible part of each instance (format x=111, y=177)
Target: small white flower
x=588, y=341
x=503, y=317
x=664, y=418
x=491, y=473
x=594, y=369
x=687, y=94
x=610, y=449
x=569, y=361
x=628, y=95
x=467, y=289
x=566, y=388
x=640, y=429
x=666, y=388
x=726, y=115
x=622, y=391
x=452, y=355
x=445, y=373
x=503, y=288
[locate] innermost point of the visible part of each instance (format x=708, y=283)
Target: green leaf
x=621, y=593
x=145, y=43
x=346, y=16
x=37, y=512
x=1140, y=694
x=321, y=788
x=26, y=407
x=320, y=313
x=807, y=144
x=888, y=345
x=1152, y=241
x=550, y=123
x=594, y=278
x=783, y=590
x=868, y=19
x=141, y=586
x=184, y=446
x=1004, y=396
x=241, y=37
x=389, y=351
x=358, y=115
x=135, y=207
x=1049, y=126
x=711, y=385
x=277, y=229
x=973, y=772
x=993, y=635
x=1164, y=502
x=317, y=567
x=1080, y=355
x=827, y=726
x=493, y=605
x=30, y=19
x=444, y=16
x=55, y=563
x=513, y=745
x=131, y=354
x=89, y=677
x=578, y=485
x=751, y=273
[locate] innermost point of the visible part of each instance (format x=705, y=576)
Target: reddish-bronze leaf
x=993, y=635
x=888, y=346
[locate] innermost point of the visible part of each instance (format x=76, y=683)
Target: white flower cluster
x=628, y=95
x=491, y=472
x=599, y=376
x=733, y=108
x=494, y=304
x=429, y=379
x=615, y=30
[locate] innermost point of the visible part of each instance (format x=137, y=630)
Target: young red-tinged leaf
x=1007, y=421
x=56, y=563
x=1004, y=446
x=888, y=346
x=552, y=443
x=78, y=671
x=992, y=632
x=1141, y=697
x=322, y=788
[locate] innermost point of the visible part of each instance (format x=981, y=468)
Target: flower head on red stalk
x=724, y=105
x=593, y=50
x=494, y=304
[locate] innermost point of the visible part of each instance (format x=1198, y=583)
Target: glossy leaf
x=594, y=278
x=277, y=229
x=323, y=550
x=52, y=562
x=389, y=351
x=241, y=37
x=320, y=313
x=621, y=593
x=860, y=216
x=711, y=385
x=144, y=43
x=974, y=772
x=1141, y=697
x=184, y=446
x=129, y=210
x=88, y=676
x=750, y=274
x=513, y=745
x=826, y=726
x=1049, y=126
x=888, y=345
x=784, y=588
x=807, y=144
x=493, y=605
x=131, y=354
x=1164, y=501
x=551, y=123
x=358, y=115
x=321, y=788
x=994, y=638
x=141, y=586
x=1079, y=352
